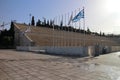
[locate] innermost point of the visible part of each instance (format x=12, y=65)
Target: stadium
x=55, y=41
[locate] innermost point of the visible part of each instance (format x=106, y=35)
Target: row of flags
x=71, y=19
x=60, y=20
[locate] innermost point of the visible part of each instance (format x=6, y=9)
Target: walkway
x=16, y=65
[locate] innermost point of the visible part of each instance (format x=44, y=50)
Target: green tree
x=47, y=22
x=51, y=22
x=32, y=21
x=7, y=37
x=88, y=31
x=103, y=34
x=61, y=23
x=100, y=33
x=38, y=23
x=12, y=32
x=44, y=23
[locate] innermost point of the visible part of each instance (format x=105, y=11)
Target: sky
x=100, y=15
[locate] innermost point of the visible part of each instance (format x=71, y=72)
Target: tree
x=51, y=22
x=100, y=33
x=61, y=23
x=47, y=23
x=33, y=21
x=12, y=27
x=88, y=31
x=7, y=37
x=103, y=34
x=11, y=32
x=44, y=23
x=38, y=23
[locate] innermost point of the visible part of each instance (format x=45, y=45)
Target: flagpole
x=68, y=31
x=56, y=33
x=75, y=32
x=53, y=34
x=55, y=43
x=71, y=29
x=59, y=30
x=74, y=29
x=72, y=33
x=79, y=43
x=60, y=33
x=65, y=31
x=84, y=25
x=29, y=29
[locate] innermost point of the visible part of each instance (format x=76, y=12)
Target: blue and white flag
x=78, y=16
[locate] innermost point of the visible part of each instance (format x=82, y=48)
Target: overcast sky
x=100, y=15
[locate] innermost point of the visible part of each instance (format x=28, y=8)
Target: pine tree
x=100, y=33
x=51, y=23
x=38, y=23
x=33, y=21
x=44, y=22
x=88, y=31
x=47, y=23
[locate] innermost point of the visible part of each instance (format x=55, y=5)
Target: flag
x=70, y=19
x=78, y=16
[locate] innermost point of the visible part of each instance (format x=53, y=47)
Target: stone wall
x=75, y=51
x=115, y=48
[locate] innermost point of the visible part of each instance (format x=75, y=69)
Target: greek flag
x=78, y=16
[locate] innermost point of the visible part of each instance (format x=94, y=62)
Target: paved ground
x=30, y=66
